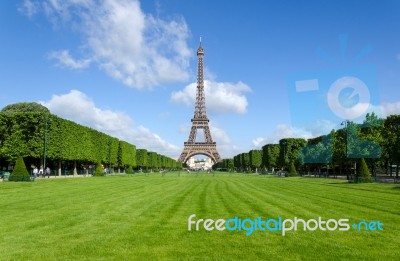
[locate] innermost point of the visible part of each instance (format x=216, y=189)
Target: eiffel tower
x=200, y=122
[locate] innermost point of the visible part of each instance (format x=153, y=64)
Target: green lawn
x=146, y=218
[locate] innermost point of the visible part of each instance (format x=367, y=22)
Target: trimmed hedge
x=20, y=173
x=363, y=174
x=99, y=172
x=292, y=170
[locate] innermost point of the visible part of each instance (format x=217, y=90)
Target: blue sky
x=128, y=68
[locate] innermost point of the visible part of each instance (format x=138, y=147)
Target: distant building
x=199, y=164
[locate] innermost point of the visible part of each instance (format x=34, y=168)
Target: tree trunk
x=59, y=167
x=75, y=170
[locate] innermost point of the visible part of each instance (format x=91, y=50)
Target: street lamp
x=346, y=124
x=284, y=152
x=45, y=142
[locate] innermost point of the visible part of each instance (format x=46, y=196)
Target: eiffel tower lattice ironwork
x=200, y=121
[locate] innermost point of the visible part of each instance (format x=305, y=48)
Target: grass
x=145, y=218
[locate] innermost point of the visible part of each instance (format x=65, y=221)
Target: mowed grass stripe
x=279, y=202
x=151, y=223
x=358, y=202
x=358, y=197
x=145, y=218
x=312, y=203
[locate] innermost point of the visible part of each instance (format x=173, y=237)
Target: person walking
x=35, y=172
x=41, y=171
x=47, y=172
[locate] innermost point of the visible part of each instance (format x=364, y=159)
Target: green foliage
x=358, y=147
x=237, y=162
x=126, y=154
x=339, y=146
x=290, y=149
x=152, y=159
x=141, y=158
x=363, y=174
x=25, y=107
x=292, y=170
x=255, y=158
x=99, y=172
x=178, y=165
x=245, y=161
x=224, y=164
x=20, y=173
x=391, y=136
x=270, y=155
x=318, y=150
x=24, y=127
x=21, y=134
x=372, y=120
x=129, y=170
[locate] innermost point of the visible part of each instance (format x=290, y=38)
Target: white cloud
x=136, y=48
x=220, y=96
x=65, y=60
x=388, y=109
x=224, y=144
x=282, y=131
x=29, y=8
x=76, y=106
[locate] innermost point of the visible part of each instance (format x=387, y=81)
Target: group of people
x=40, y=173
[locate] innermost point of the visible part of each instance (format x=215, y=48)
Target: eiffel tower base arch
x=192, y=149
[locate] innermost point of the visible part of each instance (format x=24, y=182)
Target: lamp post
x=345, y=123
x=109, y=157
x=284, y=153
x=45, y=142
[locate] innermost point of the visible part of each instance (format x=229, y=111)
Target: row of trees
x=375, y=140
x=30, y=131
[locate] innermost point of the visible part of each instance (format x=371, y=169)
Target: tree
x=21, y=134
x=229, y=165
x=289, y=150
x=372, y=130
x=126, y=155
x=255, y=159
x=391, y=135
x=99, y=170
x=292, y=170
x=141, y=158
x=237, y=162
x=152, y=160
x=363, y=174
x=318, y=150
x=129, y=170
x=20, y=173
x=270, y=155
x=25, y=107
x=340, y=147
x=245, y=160
x=358, y=147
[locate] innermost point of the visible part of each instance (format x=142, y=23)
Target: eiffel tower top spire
x=200, y=107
